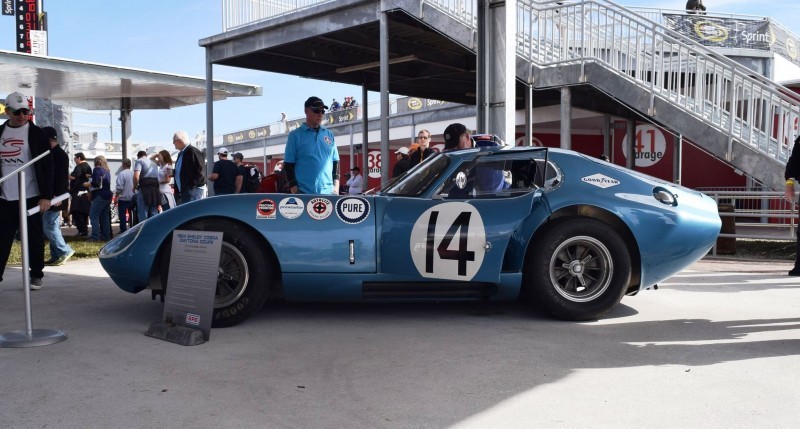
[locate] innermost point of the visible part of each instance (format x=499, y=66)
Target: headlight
x=121, y=242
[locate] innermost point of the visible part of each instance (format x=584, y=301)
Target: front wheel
x=243, y=275
x=578, y=270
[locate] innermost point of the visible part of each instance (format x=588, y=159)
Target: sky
x=163, y=36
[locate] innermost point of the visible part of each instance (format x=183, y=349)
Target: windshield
x=417, y=180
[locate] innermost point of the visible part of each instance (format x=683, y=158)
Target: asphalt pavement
x=716, y=346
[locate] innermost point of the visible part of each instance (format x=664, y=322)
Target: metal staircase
x=744, y=119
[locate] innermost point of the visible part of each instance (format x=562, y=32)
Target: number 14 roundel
x=447, y=242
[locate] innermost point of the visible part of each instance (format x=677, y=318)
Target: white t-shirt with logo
x=14, y=152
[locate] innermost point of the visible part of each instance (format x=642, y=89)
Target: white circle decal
x=650, y=146
x=448, y=241
x=319, y=208
x=352, y=210
x=291, y=207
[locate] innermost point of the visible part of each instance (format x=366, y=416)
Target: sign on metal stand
x=29, y=337
x=192, y=285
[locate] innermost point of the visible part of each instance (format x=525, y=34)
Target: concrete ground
x=717, y=346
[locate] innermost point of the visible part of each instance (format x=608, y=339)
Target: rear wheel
x=243, y=274
x=578, y=270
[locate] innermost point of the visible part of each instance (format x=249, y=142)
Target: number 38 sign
x=447, y=242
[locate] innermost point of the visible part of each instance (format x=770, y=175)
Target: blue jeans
x=192, y=194
x=122, y=212
x=52, y=231
x=144, y=212
x=99, y=217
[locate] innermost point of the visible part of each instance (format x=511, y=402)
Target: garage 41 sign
x=649, y=147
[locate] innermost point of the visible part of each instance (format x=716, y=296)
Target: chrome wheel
x=233, y=277
x=581, y=269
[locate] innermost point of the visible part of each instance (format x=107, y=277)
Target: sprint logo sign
x=599, y=180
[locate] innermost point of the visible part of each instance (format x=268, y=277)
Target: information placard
x=192, y=283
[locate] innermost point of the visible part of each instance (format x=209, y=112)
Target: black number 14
x=462, y=255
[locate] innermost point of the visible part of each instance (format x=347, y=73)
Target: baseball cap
x=50, y=132
x=355, y=169
x=222, y=151
x=238, y=155
x=403, y=150
x=452, y=134
x=315, y=102
x=16, y=101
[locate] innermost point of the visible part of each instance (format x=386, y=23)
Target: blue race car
x=566, y=232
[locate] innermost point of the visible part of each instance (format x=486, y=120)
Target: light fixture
x=374, y=64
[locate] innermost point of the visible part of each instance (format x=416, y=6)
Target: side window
x=492, y=177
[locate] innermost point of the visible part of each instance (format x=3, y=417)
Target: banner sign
x=412, y=104
x=27, y=20
x=786, y=45
x=735, y=33
x=8, y=7
x=247, y=135
x=722, y=32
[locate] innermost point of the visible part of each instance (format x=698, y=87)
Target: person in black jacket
x=423, y=152
x=79, y=207
x=403, y=164
x=20, y=142
x=190, y=170
x=791, y=174
x=60, y=251
x=695, y=7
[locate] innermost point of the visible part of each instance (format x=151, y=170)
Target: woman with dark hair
x=165, y=173
x=100, y=210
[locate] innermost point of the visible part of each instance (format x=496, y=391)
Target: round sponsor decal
x=414, y=103
x=791, y=48
x=711, y=31
x=291, y=207
x=319, y=208
x=448, y=241
x=265, y=209
x=352, y=209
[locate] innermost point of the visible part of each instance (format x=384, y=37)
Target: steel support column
x=566, y=118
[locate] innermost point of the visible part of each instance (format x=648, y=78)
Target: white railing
x=238, y=13
x=753, y=110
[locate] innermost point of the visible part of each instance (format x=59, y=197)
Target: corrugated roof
x=99, y=86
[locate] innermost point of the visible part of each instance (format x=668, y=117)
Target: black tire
x=245, y=271
x=578, y=270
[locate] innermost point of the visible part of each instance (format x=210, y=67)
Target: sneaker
x=63, y=260
x=50, y=262
x=36, y=283
x=795, y=272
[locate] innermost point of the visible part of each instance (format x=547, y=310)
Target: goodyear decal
x=600, y=180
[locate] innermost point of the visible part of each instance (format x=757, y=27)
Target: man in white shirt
x=356, y=182
x=20, y=142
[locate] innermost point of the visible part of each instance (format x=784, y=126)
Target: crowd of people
x=349, y=103
x=143, y=188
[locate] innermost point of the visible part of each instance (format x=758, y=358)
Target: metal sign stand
x=29, y=337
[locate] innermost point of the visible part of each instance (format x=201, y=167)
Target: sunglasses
x=25, y=112
x=317, y=110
